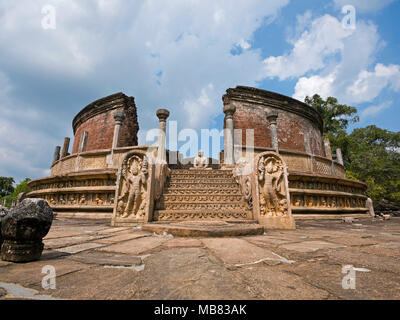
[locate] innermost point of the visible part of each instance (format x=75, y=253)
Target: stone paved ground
x=94, y=261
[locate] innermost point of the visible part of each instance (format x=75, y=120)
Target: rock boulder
x=23, y=229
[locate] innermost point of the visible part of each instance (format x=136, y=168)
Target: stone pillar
x=307, y=145
x=56, y=155
x=162, y=115
x=328, y=151
x=65, y=147
x=370, y=207
x=119, y=118
x=339, y=156
x=83, y=141
x=272, y=118
x=229, y=111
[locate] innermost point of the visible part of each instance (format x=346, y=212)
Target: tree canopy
x=6, y=186
x=336, y=116
x=370, y=154
x=12, y=193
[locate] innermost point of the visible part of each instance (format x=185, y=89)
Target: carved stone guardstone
x=134, y=195
x=271, y=199
x=23, y=229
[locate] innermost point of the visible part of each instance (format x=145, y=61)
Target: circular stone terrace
x=82, y=184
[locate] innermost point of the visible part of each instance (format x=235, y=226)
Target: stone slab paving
x=80, y=247
x=183, y=243
x=310, y=246
x=124, y=237
x=57, y=243
x=108, y=259
x=95, y=261
x=238, y=251
x=136, y=246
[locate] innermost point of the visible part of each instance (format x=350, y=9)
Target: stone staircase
x=202, y=195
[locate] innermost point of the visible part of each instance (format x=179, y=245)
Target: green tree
x=374, y=157
x=6, y=186
x=21, y=187
x=336, y=116
x=370, y=154
x=14, y=192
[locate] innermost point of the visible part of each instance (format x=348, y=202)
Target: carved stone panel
x=133, y=201
x=271, y=199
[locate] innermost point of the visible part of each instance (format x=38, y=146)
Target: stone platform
x=206, y=229
x=94, y=261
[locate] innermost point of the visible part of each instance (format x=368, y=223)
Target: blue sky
x=183, y=55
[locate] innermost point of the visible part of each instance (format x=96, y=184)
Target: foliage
x=22, y=187
x=374, y=157
x=336, y=116
x=13, y=194
x=370, y=154
x=6, y=186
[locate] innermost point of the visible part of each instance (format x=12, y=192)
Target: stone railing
x=92, y=160
x=299, y=162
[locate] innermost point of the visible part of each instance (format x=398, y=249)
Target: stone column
x=229, y=111
x=162, y=115
x=65, y=147
x=339, y=156
x=56, y=155
x=328, y=151
x=83, y=141
x=370, y=207
x=272, y=118
x=119, y=118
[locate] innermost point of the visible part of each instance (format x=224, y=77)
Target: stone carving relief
x=133, y=188
x=271, y=179
x=79, y=199
x=271, y=198
x=242, y=174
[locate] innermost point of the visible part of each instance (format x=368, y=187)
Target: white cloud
x=165, y=53
x=370, y=84
x=314, y=84
x=322, y=39
x=374, y=110
x=333, y=61
x=364, y=5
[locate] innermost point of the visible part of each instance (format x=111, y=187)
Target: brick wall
x=98, y=120
x=295, y=129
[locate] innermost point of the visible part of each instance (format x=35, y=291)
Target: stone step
x=203, y=228
x=201, y=172
x=214, y=198
x=200, y=184
x=207, y=215
x=193, y=177
x=206, y=205
x=202, y=191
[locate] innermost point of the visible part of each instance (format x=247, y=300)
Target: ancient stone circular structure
x=299, y=125
x=311, y=179
x=98, y=120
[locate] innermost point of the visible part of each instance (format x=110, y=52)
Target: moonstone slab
x=23, y=229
